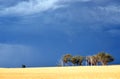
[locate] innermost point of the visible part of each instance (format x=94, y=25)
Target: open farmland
x=81, y=72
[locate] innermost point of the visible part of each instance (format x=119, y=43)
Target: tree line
x=102, y=58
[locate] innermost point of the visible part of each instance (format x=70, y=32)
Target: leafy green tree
x=94, y=60
x=67, y=58
x=23, y=66
x=104, y=58
x=77, y=60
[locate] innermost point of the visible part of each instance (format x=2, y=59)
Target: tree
x=92, y=60
x=104, y=58
x=67, y=58
x=23, y=66
x=77, y=60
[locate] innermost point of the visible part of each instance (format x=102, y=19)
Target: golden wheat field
x=81, y=72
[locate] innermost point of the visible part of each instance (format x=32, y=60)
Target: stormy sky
x=38, y=32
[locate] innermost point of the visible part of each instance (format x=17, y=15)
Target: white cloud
x=30, y=7
x=75, y=0
x=35, y=6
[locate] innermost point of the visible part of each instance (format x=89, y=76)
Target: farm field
x=78, y=72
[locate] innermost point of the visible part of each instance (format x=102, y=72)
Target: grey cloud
x=14, y=55
x=80, y=16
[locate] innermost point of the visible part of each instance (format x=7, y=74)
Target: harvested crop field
x=79, y=72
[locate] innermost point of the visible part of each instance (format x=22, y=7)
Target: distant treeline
x=101, y=58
